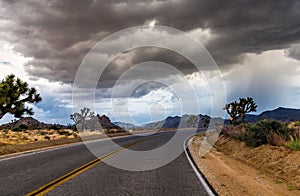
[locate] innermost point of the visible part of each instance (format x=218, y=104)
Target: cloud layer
x=242, y=36
x=57, y=34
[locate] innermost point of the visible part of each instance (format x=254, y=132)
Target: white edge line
x=52, y=148
x=205, y=185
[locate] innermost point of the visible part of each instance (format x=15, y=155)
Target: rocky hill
x=28, y=122
x=97, y=122
x=106, y=123
x=280, y=114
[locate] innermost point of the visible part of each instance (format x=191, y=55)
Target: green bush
x=55, y=127
x=20, y=128
x=297, y=123
x=267, y=132
x=294, y=143
x=23, y=127
x=63, y=132
x=16, y=129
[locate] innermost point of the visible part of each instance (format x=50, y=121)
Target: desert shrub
x=72, y=127
x=267, y=132
x=41, y=132
x=294, y=143
x=297, y=123
x=20, y=128
x=63, y=132
x=235, y=132
x=23, y=127
x=108, y=131
x=16, y=129
x=55, y=127
x=5, y=131
x=275, y=139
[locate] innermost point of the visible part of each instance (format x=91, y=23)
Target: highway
x=75, y=170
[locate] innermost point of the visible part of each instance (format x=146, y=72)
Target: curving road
x=74, y=170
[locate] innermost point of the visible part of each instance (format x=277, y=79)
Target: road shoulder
x=229, y=176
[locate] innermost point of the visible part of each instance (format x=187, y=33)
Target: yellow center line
x=58, y=181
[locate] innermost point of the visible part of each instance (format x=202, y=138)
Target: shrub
x=63, y=132
x=16, y=129
x=294, y=143
x=72, y=127
x=22, y=127
x=297, y=123
x=275, y=139
x=267, y=132
x=236, y=132
x=55, y=127
x=43, y=132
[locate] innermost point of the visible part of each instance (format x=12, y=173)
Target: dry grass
x=13, y=142
x=9, y=137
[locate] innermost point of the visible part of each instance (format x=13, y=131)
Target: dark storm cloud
x=133, y=57
x=59, y=33
x=294, y=51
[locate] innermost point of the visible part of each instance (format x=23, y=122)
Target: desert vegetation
x=8, y=137
x=265, y=131
x=82, y=117
x=237, y=110
x=87, y=121
x=193, y=121
x=14, y=93
x=257, y=158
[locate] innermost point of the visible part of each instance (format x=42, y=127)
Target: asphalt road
x=21, y=175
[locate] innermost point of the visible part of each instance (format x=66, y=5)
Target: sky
x=255, y=44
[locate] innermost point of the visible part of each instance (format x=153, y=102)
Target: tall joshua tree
x=233, y=111
x=14, y=93
x=192, y=120
x=246, y=106
x=81, y=117
x=238, y=110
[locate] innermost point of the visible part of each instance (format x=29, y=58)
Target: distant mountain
x=153, y=125
x=280, y=114
x=176, y=121
x=125, y=125
x=30, y=123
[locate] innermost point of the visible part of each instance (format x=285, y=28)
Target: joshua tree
x=14, y=93
x=192, y=120
x=206, y=122
x=237, y=110
x=246, y=106
x=233, y=111
x=81, y=117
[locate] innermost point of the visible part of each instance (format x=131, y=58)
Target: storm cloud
x=58, y=34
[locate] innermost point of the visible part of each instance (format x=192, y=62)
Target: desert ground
x=234, y=169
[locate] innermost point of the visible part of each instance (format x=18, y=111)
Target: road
x=30, y=173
